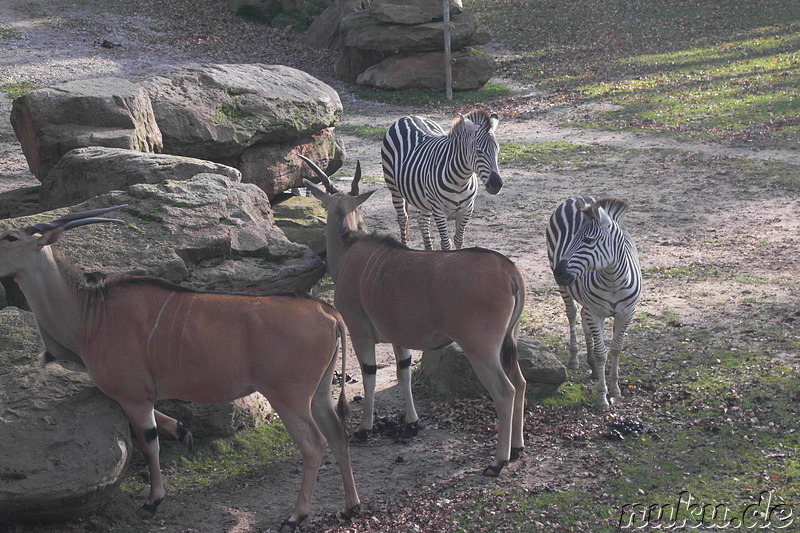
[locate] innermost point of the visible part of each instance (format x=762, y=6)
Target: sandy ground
x=689, y=207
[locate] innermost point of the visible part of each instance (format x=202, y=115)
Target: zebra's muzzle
x=494, y=183
x=563, y=276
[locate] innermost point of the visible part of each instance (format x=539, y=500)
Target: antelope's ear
x=361, y=198
x=49, y=237
x=317, y=193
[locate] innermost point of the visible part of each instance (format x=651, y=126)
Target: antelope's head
x=20, y=247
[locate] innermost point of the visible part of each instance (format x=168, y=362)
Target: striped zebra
x=435, y=171
x=595, y=263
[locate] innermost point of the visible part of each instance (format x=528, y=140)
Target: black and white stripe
x=595, y=264
x=436, y=171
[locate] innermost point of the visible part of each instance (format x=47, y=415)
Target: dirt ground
x=691, y=205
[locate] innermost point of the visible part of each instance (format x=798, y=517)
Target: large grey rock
x=324, y=31
x=365, y=32
x=110, y=112
x=448, y=372
x=216, y=111
x=87, y=172
x=64, y=445
x=302, y=219
x=208, y=232
x=277, y=167
x=412, y=11
x=471, y=71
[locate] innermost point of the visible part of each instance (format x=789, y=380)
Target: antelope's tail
x=508, y=351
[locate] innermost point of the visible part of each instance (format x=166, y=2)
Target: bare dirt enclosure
x=718, y=232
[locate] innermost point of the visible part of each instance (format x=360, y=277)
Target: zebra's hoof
x=516, y=453
x=361, y=435
x=616, y=400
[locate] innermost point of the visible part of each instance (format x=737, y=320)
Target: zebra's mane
x=615, y=207
x=481, y=117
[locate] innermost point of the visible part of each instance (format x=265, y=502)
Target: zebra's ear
x=588, y=206
x=493, y=121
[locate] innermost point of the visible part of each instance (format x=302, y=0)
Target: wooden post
x=448, y=67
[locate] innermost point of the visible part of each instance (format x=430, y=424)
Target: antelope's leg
x=403, y=359
x=306, y=435
x=441, y=225
x=572, y=316
x=518, y=418
x=365, y=352
x=493, y=377
x=174, y=428
x=425, y=228
x=143, y=421
x=334, y=429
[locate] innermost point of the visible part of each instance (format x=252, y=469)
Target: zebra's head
x=482, y=148
x=593, y=244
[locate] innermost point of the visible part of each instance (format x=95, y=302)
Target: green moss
x=17, y=89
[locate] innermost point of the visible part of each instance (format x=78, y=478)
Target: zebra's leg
x=462, y=218
x=591, y=346
x=425, y=229
x=444, y=234
x=620, y=325
x=595, y=326
x=403, y=358
x=572, y=317
x=401, y=207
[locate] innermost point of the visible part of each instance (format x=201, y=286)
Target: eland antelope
x=142, y=339
x=422, y=300
x=595, y=263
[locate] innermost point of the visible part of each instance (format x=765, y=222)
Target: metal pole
x=448, y=67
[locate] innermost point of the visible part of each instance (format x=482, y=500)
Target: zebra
x=595, y=263
x=435, y=171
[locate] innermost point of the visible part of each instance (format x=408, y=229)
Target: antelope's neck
x=53, y=300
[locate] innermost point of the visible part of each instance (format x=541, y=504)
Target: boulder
x=448, y=373
x=302, y=219
x=324, y=31
x=110, y=112
x=365, y=32
x=207, y=232
x=87, y=172
x=276, y=167
x=65, y=445
x=471, y=71
x=215, y=112
x=412, y=11
x=219, y=419
x=352, y=62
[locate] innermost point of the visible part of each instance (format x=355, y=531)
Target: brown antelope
x=142, y=339
x=421, y=300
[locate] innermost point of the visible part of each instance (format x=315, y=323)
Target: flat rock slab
x=64, y=445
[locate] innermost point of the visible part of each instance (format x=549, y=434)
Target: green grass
x=17, y=89
x=369, y=132
x=556, y=154
x=719, y=69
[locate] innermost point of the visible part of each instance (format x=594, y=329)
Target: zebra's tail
x=508, y=351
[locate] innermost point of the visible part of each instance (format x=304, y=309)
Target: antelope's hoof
x=149, y=509
x=185, y=436
x=290, y=525
x=350, y=513
x=516, y=452
x=361, y=435
x=410, y=430
x=494, y=471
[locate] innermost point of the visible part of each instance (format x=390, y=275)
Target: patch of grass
x=556, y=154
x=9, y=33
x=216, y=459
x=425, y=97
x=17, y=89
x=721, y=69
x=369, y=132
